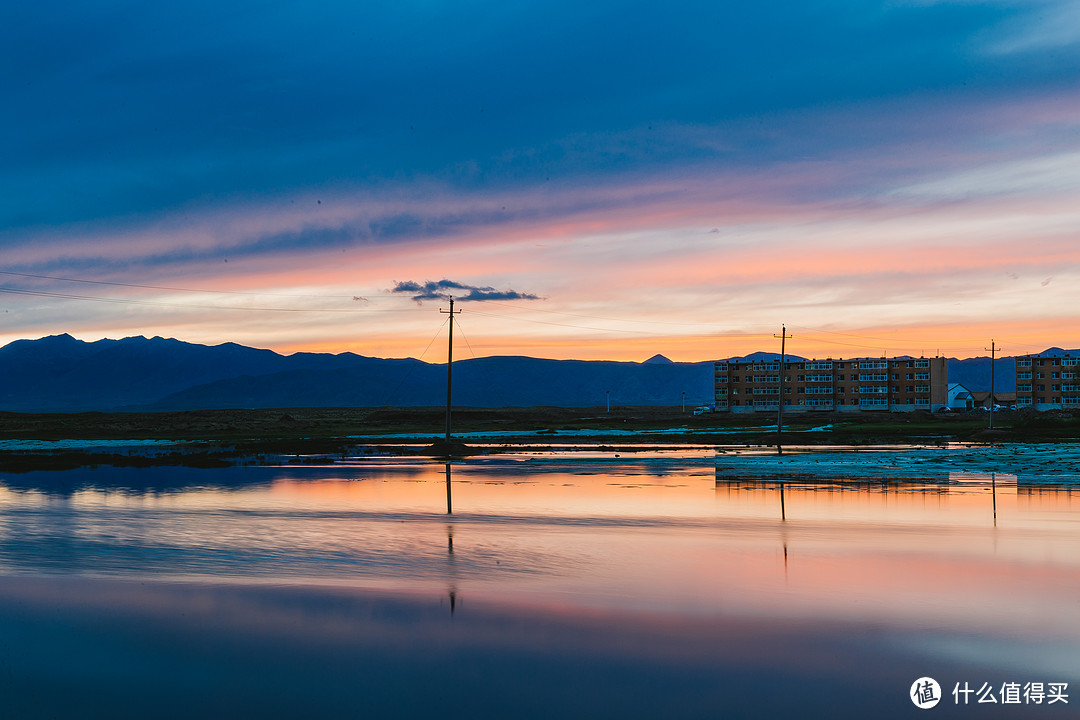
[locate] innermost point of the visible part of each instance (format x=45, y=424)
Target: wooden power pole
x=449, y=364
x=993, y=352
x=780, y=403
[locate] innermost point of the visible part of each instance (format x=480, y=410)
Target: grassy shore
x=670, y=424
x=217, y=437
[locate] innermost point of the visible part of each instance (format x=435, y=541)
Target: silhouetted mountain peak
x=658, y=359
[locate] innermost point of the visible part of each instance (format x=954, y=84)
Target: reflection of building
x=899, y=384
x=1048, y=380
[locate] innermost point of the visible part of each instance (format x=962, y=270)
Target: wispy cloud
x=676, y=170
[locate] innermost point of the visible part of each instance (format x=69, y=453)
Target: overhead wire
x=596, y=329
x=485, y=375
x=132, y=301
x=431, y=342
x=175, y=289
x=197, y=306
x=595, y=317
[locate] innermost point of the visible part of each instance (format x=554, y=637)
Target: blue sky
x=316, y=150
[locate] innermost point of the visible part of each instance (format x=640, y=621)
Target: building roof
x=1001, y=397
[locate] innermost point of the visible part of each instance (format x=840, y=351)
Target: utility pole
x=449, y=363
x=993, y=351
x=780, y=404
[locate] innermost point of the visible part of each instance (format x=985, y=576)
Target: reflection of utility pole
x=449, y=504
x=780, y=403
x=993, y=351
x=607, y=393
x=449, y=364
x=450, y=560
x=993, y=494
x=684, y=402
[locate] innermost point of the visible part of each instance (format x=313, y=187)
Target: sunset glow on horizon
x=618, y=181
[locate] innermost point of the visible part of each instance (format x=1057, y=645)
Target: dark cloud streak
x=442, y=290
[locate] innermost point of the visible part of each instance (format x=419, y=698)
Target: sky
x=601, y=180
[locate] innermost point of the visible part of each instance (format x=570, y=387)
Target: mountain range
x=62, y=374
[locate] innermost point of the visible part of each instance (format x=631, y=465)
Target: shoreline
x=323, y=435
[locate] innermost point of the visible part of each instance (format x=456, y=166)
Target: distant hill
x=974, y=373
x=62, y=374
x=482, y=382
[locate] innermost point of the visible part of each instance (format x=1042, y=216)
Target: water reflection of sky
x=636, y=587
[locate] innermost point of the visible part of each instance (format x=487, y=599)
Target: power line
x=485, y=374
x=596, y=317
x=613, y=330
x=176, y=289
x=544, y=322
x=431, y=342
x=131, y=301
x=865, y=337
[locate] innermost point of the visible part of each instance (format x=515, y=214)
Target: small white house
x=960, y=397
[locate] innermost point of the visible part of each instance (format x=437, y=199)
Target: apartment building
x=896, y=384
x=1048, y=380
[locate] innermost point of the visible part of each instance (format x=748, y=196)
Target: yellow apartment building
x=898, y=384
x=1048, y=380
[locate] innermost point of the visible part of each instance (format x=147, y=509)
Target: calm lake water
x=553, y=587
